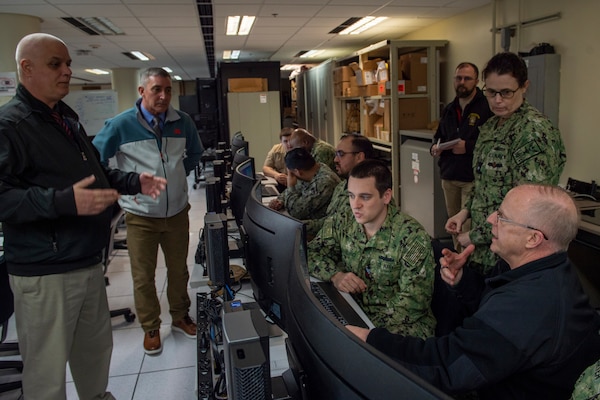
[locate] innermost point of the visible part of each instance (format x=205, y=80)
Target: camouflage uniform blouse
x=309, y=200
x=587, y=386
x=339, y=204
x=324, y=153
x=526, y=148
x=396, y=264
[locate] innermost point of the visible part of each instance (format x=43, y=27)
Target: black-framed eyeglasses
x=500, y=217
x=342, y=153
x=504, y=93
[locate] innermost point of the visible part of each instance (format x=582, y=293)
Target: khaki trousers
x=456, y=194
x=63, y=318
x=144, y=235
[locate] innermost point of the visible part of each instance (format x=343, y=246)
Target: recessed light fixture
x=231, y=54
x=177, y=77
x=312, y=53
x=362, y=25
x=138, y=55
x=169, y=70
x=234, y=27
x=97, y=71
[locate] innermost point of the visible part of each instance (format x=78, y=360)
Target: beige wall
x=575, y=36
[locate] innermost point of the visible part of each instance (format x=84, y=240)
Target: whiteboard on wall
x=93, y=107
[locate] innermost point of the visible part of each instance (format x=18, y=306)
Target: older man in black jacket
x=55, y=206
x=533, y=331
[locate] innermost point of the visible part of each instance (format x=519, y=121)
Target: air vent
x=94, y=26
x=344, y=25
x=205, y=12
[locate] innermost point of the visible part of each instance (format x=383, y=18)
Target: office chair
x=12, y=369
x=116, y=220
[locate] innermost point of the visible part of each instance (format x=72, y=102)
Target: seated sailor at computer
x=310, y=186
x=533, y=330
x=351, y=150
x=321, y=151
x=381, y=256
x=274, y=166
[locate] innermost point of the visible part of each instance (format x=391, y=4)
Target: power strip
x=204, y=367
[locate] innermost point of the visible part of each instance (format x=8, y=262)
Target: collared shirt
x=150, y=118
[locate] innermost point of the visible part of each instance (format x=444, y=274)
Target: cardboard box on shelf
x=413, y=68
x=372, y=90
x=369, y=69
x=342, y=74
x=355, y=91
x=412, y=87
x=413, y=113
x=341, y=89
x=359, y=73
x=247, y=84
x=384, y=88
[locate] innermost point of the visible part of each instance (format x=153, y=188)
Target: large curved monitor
x=239, y=157
x=238, y=143
x=270, y=240
x=334, y=363
x=242, y=183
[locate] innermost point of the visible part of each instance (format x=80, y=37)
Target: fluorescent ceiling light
x=233, y=23
x=138, y=55
x=177, y=77
x=362, y=25
x=231, y=54
x=97, y=71
x=169, y=70
x=311, y=54
x=246, y=25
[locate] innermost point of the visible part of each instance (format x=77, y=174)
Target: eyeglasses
x=342, y=153
x=504, y=93
x=463, y=78
x=500, y=217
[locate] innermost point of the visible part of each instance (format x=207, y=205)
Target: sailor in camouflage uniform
x=382, y=256
x=351, y=150
x=518, y=144
x=587, y=386
x=321, y=151
x=309, y=189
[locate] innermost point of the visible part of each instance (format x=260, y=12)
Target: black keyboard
x=269, y=191
x=336, y=305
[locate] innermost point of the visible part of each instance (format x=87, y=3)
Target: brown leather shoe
x=186, y=325
x=152, y=342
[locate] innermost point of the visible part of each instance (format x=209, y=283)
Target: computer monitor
x=238, y=143
x=241, y=186
x=270, y=239
x=330, y=361
x=239, y=157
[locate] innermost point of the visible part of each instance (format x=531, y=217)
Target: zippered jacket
x=39, y=164
x=136, y=147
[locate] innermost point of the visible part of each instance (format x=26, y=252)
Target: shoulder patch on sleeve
x=415, y=253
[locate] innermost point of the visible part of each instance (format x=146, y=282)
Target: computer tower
x=217, y=249
x=246, y=351
x=213, y=195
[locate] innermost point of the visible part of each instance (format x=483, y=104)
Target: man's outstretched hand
x=152, y=185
